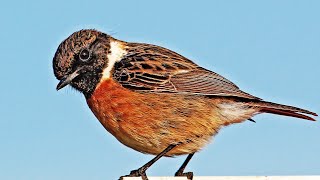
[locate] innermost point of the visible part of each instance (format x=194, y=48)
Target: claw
x=136, y=173
x=189, y=175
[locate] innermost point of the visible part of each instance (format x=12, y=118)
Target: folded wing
x=156, y=69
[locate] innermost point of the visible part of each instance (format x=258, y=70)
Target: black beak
x=63, y=82
x=67, y=80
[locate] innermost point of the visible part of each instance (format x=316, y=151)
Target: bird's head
x=81, y=59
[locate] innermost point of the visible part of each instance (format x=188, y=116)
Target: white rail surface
x=232, y=178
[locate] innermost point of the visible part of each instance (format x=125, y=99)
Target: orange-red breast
x=152, y=99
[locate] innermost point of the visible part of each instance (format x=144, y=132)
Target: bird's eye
x=85, y=55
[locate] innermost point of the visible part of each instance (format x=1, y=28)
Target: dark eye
x=85, y=55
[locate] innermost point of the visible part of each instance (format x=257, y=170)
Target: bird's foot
x=189, y=175
x=136, y=173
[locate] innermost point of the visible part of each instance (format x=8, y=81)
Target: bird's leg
x=181, y=172
x=142, y=170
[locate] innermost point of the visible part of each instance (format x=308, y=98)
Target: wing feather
x=156, y=69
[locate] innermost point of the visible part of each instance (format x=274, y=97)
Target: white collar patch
x=116, y=54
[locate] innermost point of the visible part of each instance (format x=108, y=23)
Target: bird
x=153, y=99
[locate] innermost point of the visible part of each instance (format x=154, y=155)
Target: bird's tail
x=280, y=109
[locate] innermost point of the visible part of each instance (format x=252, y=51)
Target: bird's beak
x=67, y=79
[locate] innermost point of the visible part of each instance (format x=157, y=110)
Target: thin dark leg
x=180, y=171
x=142, y=170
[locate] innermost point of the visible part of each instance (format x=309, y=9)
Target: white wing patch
x=117, y=51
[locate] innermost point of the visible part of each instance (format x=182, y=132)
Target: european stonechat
x=152, y=99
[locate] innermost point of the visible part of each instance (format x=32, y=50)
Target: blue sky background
x=271, y=49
